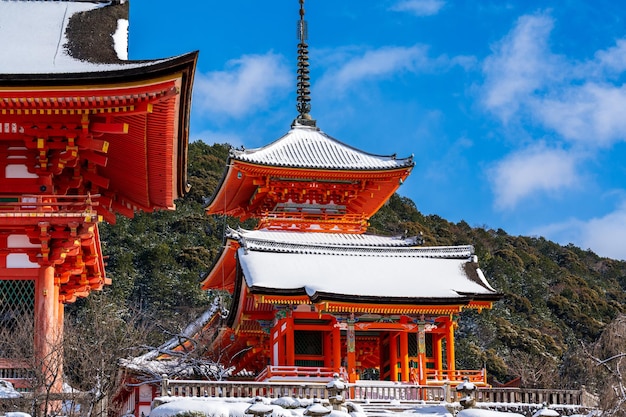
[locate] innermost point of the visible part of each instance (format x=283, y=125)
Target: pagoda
x=312, y=293
x=85, y=134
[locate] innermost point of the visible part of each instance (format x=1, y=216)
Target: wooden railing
x=40, y=203
x=17, y=373
x=277, y=373
x=439, y=376
x=530, y=396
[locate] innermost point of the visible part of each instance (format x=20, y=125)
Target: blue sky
x=515, y=111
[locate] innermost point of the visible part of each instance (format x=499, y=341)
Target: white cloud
x=374, y=64
x=419, y=7
x=536, y=169
x=525, y=81
x=606, y=235
x=613, y=59
x=351, y=66
x=519, y=66
x=576, y=102
x=592, y=113
x=247, y=83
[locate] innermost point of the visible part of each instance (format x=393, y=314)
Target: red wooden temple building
x=85, y=134
x=312, y=292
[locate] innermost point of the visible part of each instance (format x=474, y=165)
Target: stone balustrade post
x=164, y=386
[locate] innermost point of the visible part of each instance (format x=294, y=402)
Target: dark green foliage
x=206, y=166
x=554, y=296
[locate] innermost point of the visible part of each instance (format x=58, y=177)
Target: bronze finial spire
x=304, y=93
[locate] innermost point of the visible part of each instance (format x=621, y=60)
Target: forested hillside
x=557, y=298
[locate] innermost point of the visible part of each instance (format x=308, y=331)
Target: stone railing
x=381, y=390
x=231, y=389
x=370, y=391
x=537, y=396
x=362, y=391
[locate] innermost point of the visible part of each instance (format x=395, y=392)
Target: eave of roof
x=124, y=72
x=222, y=273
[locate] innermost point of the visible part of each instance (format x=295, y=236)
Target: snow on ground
x=284, y=407
x=475, y=412
x=290, y=407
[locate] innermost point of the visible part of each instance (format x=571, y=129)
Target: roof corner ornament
x=303, y=92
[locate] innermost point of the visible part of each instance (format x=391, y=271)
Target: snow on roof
x=352, y=274
x=366, y=266
x=148, y=361
x=309, y=147
x=269, y=237
x=7, y=390
x=60, y=37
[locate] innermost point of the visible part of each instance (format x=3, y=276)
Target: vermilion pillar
x=290, y=351
x=327, y=349
x=393, y=355
x=404, y=356
x=450, y=346
x=437, y=338
x=45, y=310
x=336, y=332
x=47, y=337
x=60, y=317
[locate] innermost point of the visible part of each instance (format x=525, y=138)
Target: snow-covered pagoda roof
x=328, y=177
x=357, y=268
x=338, y=269
x=64, y=40
x=309, y=147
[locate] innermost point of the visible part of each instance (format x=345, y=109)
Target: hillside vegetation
x=557, y=298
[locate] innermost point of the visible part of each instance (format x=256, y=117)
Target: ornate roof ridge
x=322, y=238
x=309, y=147
x=412, y=252
x=332, y=245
